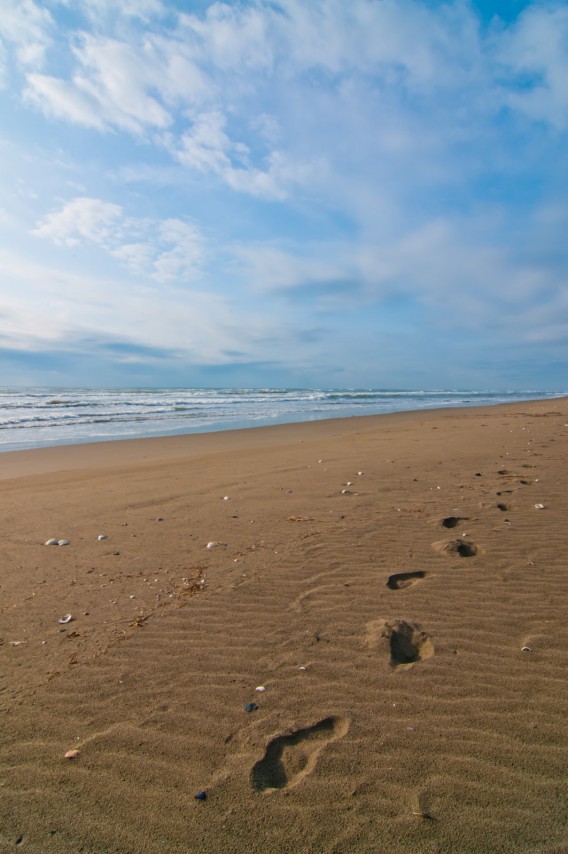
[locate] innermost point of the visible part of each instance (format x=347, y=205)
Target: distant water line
x=42, y=417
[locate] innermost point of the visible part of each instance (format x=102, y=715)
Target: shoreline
x=110, y=452
x=30, y=422
x=395, y=583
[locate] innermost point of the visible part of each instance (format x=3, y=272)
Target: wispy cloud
x=164, y=251
x=286, y=182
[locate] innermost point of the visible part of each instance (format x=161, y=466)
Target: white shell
x=226, y=498
x=51, y=542
x=102, y=537
x=63, y=542
x=72, y=754
x=211, y=545
x=539, y=506
x=260, y=689
x=66, y=619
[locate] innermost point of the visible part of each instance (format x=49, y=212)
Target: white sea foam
x=40, y=417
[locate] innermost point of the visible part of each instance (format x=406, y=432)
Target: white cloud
x=60, y=100
x=90, y=219
x=27, y=27
x=536, y=52
x=117, y=84
x=97, y=10
x=208, y=148
x=46, y=307
x=166, y=251
x=232, y=38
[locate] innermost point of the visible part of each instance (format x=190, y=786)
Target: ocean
x=41, y=417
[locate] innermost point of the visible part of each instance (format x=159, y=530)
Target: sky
x=299, y=193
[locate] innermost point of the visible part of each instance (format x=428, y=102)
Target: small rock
x=250, y=707
x=200, y=796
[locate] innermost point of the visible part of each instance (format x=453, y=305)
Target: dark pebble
x=201, y=796
x=250, y=707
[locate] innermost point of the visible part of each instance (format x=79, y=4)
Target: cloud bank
x=337, y=182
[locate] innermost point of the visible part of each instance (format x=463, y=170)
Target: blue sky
x=284, y=193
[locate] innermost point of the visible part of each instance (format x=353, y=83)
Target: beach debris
x=52, y=542
x=250, y=707
x=526, y=649
x=102, y=537
x=200, y=796
x=63, y=542
x=260, y=689
x=66, y=619
x=539, y=506
x=72, y=754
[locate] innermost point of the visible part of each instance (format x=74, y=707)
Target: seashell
x=539, y=506
x=52, y=542
x=72, y=754
x=260, y=689
x=360, y=473
x=349, y=483
x=226, y=498
x=212, y=545
x=346, y=492
x=63, y=542
x=66, y=619
x=526, y=649
x=102, y=537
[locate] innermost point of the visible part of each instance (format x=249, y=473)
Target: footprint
x=289, y=758
x=463, y=548
x=400, y=580
x=407, y=643
x=453, y=521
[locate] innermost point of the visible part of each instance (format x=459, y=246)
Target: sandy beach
x=397, y=586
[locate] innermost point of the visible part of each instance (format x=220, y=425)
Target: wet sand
x=392, y=582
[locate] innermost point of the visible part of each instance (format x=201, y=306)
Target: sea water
x=41, y=417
